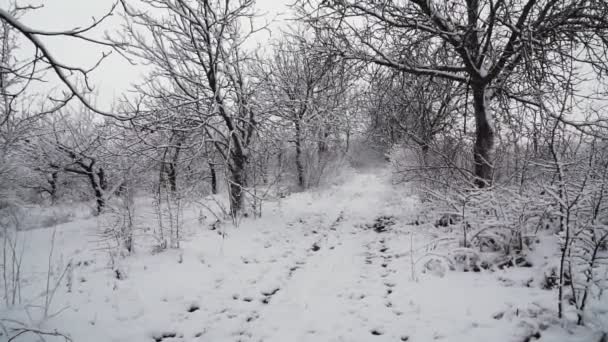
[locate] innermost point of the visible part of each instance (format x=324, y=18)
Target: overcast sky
x=114, y=76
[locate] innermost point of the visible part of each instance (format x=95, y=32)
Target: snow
x=313, y=268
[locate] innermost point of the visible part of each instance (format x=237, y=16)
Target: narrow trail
x=324, y=288
x=343, y=276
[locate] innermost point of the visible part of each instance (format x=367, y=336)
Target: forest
x=349, y=170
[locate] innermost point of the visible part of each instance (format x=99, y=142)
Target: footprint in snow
x=160, y=337
x=292, y=270
x=376, y=332
x=243, y=333
x=271, y=292
x=268, y=295
x=193, y=307
x=253, y=316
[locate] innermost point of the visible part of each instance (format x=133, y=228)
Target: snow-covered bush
x=500, y=221
x=562, y=192
x=441, y=162
x=13, y=249
x=119, y=224
x=168, y=208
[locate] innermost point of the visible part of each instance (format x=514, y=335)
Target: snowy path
x=338, y=281
x=312, y=269
x=334, y=297
x=332, y=279
x=326, y=287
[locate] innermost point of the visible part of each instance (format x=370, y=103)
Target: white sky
x=114, y=76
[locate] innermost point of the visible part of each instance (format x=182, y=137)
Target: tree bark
x=213, y=179
x=483, y=151
x=172, y=177
x=53, y=184
x=237, y=183
x=322, y=145
x=96, y=190
x=103, y=183
x=424, y=148
x=299, y=161
x=172, y=172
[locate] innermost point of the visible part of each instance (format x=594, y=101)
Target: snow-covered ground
x=343, y=263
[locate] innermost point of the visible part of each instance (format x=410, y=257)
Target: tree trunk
x=172, y=177
x=122, y=188
x=103, y=183
x=299, y=161
x=172, y=172
x=97, y=191
x=53, y=183
x=237, y=183
x=424, y=148
x=213, y=178
x=322, y=146
x=348, y=132
x=483, y=151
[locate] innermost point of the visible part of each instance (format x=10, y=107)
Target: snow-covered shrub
x=318, y=167
x=563, y=193
x=499, y=220
x=580, y=196
x=438, y=164
x=168, y=207
x=119, y=224
x=405, y=161
x=322, y=168
x=13, y=249
x=465, y=259
x=436, y=266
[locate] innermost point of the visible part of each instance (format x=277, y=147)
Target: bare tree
x=196, y=49
x=298, y=80
x=21, y=105
x=71, y=145
x=411, y=110
x=483, y=44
